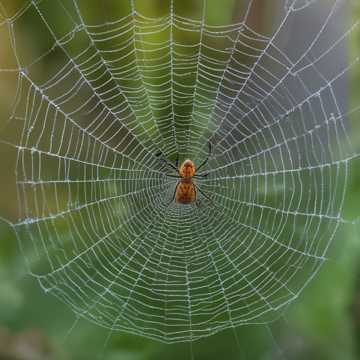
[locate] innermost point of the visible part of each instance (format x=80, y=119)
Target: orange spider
x=185, y=190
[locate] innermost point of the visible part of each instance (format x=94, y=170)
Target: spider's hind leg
x=173, y=197
x=206, y=196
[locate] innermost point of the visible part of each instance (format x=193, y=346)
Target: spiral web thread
x=105, y=100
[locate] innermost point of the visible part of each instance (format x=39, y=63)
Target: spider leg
x=158, y=154
x=207, y=158
x=202, y=175
x=173, y=176
x=206, y=196
x=173, y=198
x=203, y=193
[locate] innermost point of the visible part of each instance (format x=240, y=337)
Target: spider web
x=99, y=97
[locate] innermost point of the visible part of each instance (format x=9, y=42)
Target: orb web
x=102, y=99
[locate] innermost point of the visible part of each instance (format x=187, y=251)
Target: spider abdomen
x=185, y=191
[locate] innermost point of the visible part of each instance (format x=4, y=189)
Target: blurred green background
x=324, y=323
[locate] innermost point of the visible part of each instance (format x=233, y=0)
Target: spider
x=186, y=190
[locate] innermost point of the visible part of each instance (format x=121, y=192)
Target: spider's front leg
x=205, y=161
x=166, y=162
x=202, y=175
